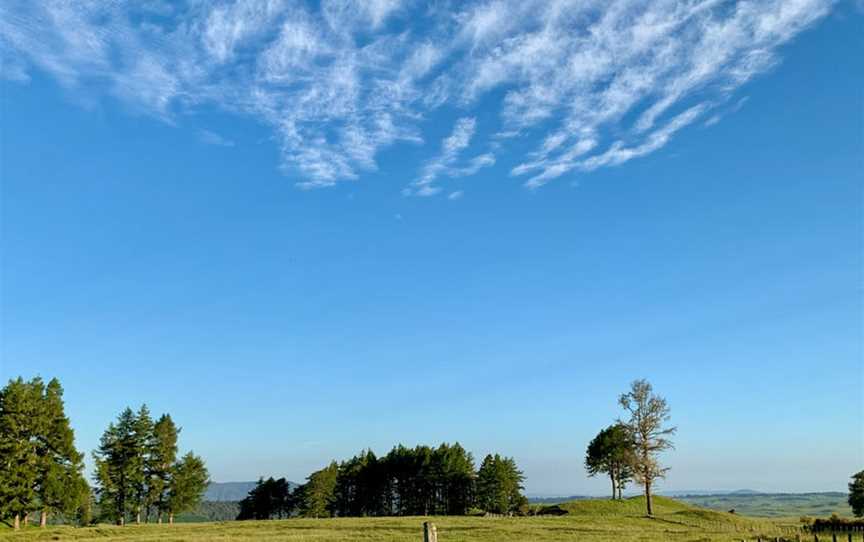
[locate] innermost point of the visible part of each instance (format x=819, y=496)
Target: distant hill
x=688, y=492
x=231, y=491
x=775, y=504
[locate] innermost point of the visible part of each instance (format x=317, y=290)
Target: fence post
x=430, y=533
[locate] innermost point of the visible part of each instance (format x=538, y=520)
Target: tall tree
x=611, y=453
x=499, y=485
x=318, y=494
x=161, y=458
x=61, y=486
x=142, y=442
x=118, y=467
x=648, y=416
x=856, y=494
x=20, y=420
x=189, y=479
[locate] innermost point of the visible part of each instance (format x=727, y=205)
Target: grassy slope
x=590, y=520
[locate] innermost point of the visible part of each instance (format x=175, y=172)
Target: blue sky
x=307, y=229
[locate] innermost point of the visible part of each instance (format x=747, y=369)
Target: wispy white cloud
x=212, y=138
x=445, y=164
x=340, y=80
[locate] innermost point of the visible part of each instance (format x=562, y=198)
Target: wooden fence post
x=430, y=533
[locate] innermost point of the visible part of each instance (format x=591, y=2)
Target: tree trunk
x=43, y=518
x=170, y=518
x=25, y=521
x=159, y=518
x=612, y=477
x=138, y=516
x=16, y=523
x=648, y=498
x=430, y=533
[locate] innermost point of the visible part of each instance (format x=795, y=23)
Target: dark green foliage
x=269, y=499
x=19, y=457
x=40, y=469
x=119, y=468
x=499, y=485
x=407, y=481
x=611, y=453
x=856, y=494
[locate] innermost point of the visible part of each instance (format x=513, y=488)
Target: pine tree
x=162, y=455
x=118, y=467
x=499, y=485
x=61, y=486
x=19, y=447
x=189, y=479
x=318, y=494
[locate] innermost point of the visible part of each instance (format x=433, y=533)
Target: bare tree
x=648, y=414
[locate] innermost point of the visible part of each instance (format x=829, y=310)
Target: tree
x=611, y=453
x=648, y=414
x=161, y=458
x=856, y=494
x=189, y=479
x=19, y=447
x=118, y=467
x=141, y=444
x=61, y=487
x=499, y=485
x=318, y=494
x=269, y=499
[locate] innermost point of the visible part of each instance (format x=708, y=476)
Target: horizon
x=306, y=229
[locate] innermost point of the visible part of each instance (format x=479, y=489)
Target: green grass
x=589, y=521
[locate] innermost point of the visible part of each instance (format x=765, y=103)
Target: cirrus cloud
x=594, y=83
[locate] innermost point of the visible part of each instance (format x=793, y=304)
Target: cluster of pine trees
x=136, y=467
x=138, y=473
x=40, y=469
x=406, y=482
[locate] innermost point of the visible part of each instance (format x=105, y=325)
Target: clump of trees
x=40, y=469
x=269, y=499
x=407, y=481
x=611, y=453
x=138, y=472
x=856, y=494
x=630, y=449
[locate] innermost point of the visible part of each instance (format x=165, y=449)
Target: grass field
x=589, y=520
x=777, y=504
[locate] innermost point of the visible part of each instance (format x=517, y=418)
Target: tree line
x=137, y=472
x=406, y=482
x=629, y=449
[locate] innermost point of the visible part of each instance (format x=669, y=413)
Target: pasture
x=588, y=520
